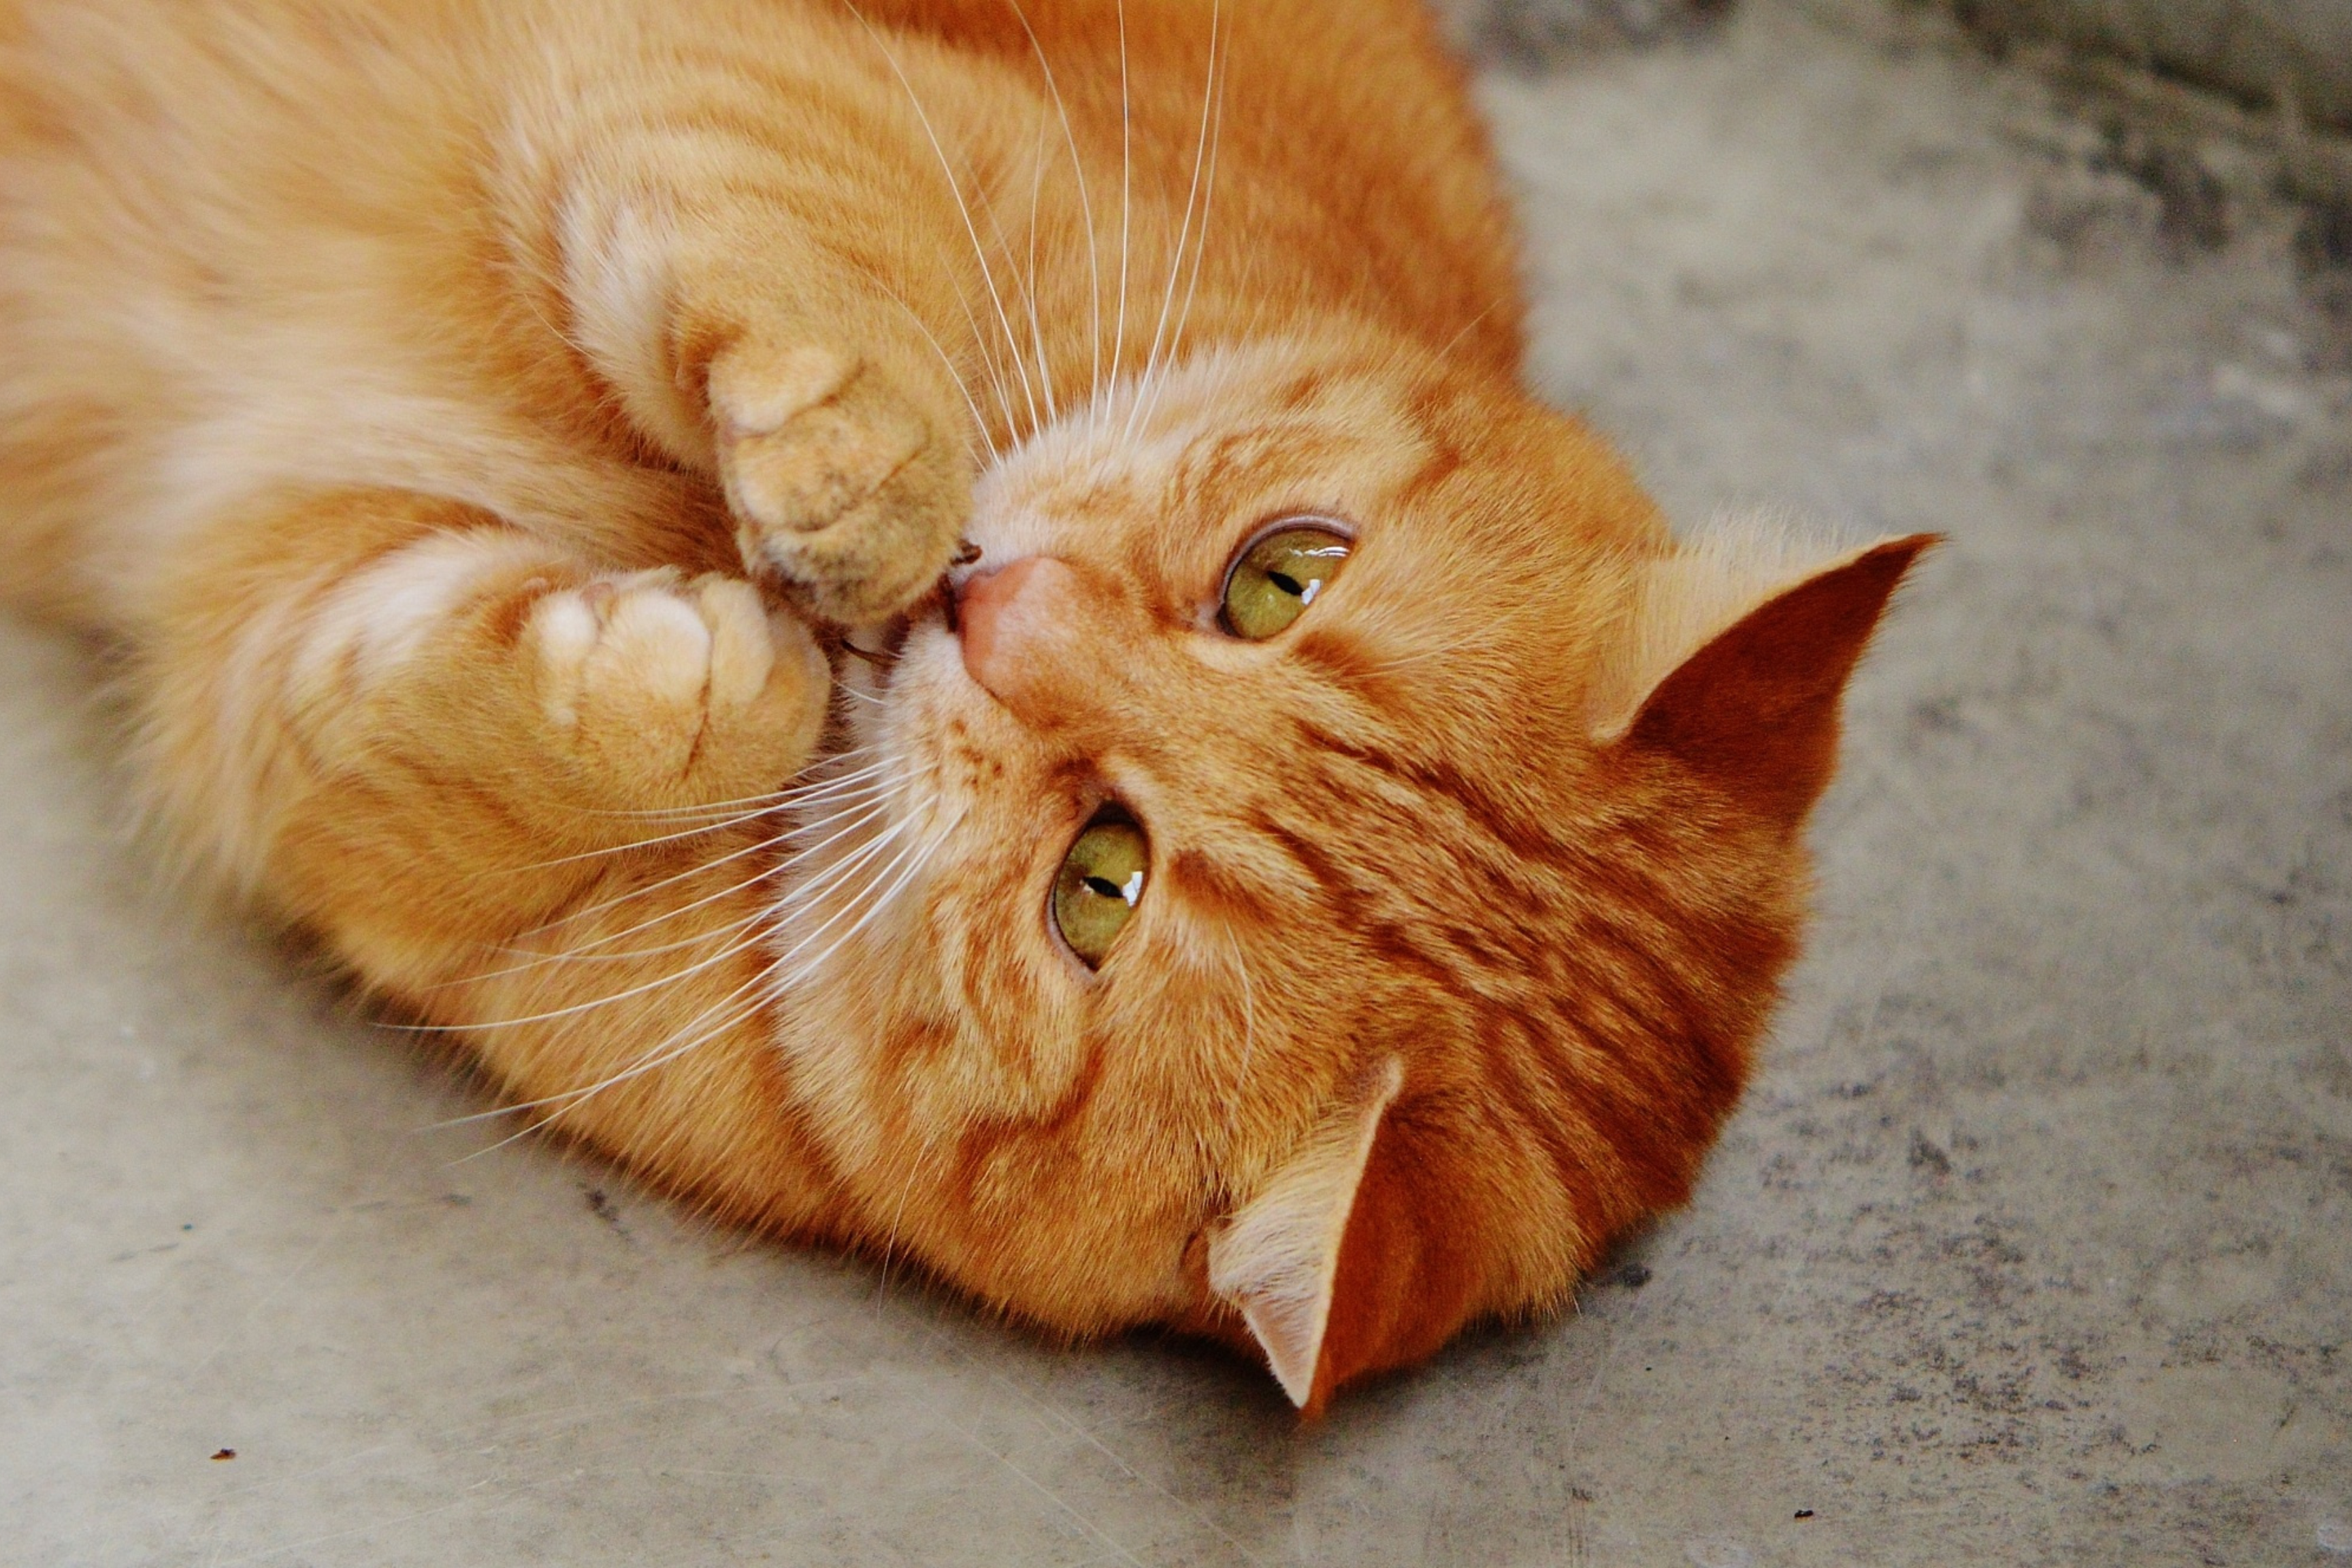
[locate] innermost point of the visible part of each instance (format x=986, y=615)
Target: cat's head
x=1331, y=871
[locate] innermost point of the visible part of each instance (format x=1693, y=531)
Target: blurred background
x=2032, y=1243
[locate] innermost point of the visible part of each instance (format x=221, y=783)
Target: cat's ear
x=1276, y=1260
x=1341, y=1264
x=1736, y=661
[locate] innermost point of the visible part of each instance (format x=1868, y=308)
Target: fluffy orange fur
x=499, y=427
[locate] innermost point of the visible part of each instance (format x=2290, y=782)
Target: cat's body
x=480, y=415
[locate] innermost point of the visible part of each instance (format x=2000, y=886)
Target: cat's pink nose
x=1011, y=620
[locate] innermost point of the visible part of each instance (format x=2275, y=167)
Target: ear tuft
x=1277, y=1258
x=1741, y=679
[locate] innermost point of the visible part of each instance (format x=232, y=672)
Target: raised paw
x=843, y=484
x=662, y=691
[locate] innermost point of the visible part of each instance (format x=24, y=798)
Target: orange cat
x=942, y=626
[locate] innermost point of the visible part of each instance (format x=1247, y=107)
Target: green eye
x=1100, y=883
x=1273, y=580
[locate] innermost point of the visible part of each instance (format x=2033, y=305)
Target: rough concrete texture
x=2251, y=47
x=2033, y=1242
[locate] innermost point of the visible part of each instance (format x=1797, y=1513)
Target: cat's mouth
x=880, y=649
x=882, y=645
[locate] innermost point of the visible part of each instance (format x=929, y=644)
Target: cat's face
x=1400, y=982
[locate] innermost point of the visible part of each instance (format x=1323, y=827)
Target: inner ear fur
x=1736, y=666
x=1347, y=1262
x=1277, y=1258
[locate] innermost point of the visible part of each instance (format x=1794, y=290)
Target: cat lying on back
x=940, y=624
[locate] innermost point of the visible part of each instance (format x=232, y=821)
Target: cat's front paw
x=843, y=483
x=660, y=691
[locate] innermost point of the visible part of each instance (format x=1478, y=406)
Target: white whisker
x=571, y=1100
x=1029, y=289
x=915, y=857
x=880, y=795
x=955, y=189
x=890, y=1240
x=773, y=798
x=857, y=819
x=991, y=364
x=1024, y=298
x=576, y=1008
x=582, y=954
x=1025, y=285
x=672, y=1047
x=1208, y=196
x=1176, y=262
x=1467, y=328
x=979, y=421
x=795, y=898
x=1079, y=169
x=912, y=857
x=1125, y=196
x=635, y=844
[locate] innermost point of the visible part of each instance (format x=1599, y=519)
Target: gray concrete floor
x=2033, y=1244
